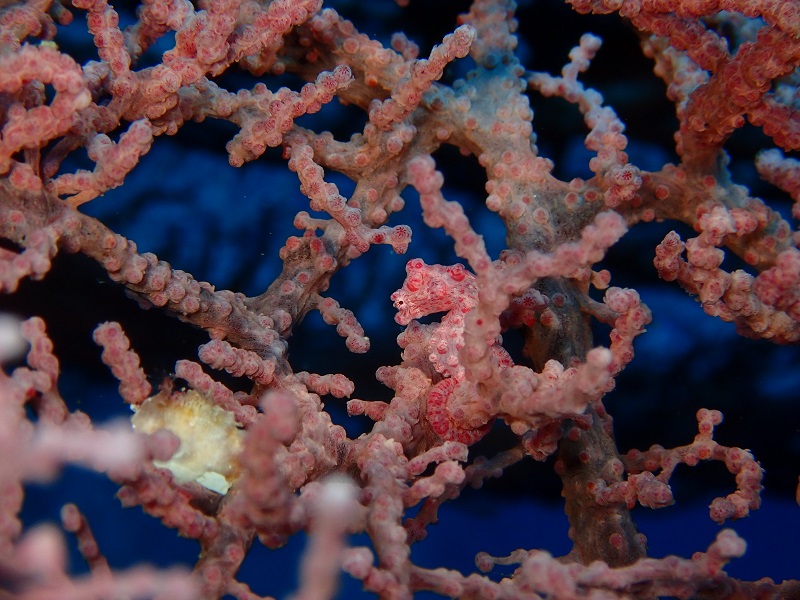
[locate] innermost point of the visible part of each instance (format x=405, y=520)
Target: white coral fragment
x=210, y=438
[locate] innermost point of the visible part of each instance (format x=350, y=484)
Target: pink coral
x=245, y=446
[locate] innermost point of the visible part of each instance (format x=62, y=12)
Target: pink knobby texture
x=291, y=150
x=124, y=363
x=430, y=289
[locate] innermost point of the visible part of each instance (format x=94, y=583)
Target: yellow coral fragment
x=210, y=438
